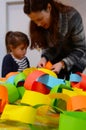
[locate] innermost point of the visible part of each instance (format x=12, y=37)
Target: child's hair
x=15, y=39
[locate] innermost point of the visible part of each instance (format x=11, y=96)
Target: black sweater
x=10, y=65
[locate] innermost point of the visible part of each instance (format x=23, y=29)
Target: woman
x=58, y=30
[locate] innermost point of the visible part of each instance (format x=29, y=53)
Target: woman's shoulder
x=72, y=11
x=67, y=9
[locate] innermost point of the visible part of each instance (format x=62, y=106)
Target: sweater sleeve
x=78, y=55
x=8, y=65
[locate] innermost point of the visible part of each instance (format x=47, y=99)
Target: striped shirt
x=21, y=63
x=11, y=64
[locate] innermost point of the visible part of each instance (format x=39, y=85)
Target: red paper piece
x=31, y=78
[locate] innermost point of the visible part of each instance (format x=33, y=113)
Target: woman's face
x=42, y=18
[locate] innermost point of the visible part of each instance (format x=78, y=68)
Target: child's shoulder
x=7, y=57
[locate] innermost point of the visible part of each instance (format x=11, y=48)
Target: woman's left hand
x=57, y=67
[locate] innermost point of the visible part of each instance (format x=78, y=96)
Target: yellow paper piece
x=65, y=97
x=75, y=92
x=25, y=114
x=34, y=98
x=27, y=71
x=79, y=91
x=69, y=92
x=47, y=71
x=42, y=110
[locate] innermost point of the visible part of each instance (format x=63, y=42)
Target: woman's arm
x=78, y=55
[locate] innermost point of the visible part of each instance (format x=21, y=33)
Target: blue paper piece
x=11, y=79
x=75, y=78
x=50, y=81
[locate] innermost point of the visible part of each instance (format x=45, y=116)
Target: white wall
x=13, y=18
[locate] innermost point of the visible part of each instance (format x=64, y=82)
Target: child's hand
x=42, y=62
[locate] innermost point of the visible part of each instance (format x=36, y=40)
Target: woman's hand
x=57, y=67
x=42, y=62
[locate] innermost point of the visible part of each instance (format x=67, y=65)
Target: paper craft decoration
x=39, y=87
x=72, y=121
x=48, y=65
x=13, y=94
x=19, y=79
x=11, y=74
x=50, y=81
x=34, y=98
x=80, y=81
x=3, y=97
x=25, y=114
x=27, y=71
x=76, y=103
x=47, y=71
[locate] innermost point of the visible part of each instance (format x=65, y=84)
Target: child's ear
x=10, y=47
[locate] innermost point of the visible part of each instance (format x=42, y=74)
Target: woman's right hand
x=42, y=62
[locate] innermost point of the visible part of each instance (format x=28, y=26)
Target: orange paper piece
x=11, y=74
x=31, y=78
x=48, y=65
x=2, y=80
x=3, y=97
x=76, y=103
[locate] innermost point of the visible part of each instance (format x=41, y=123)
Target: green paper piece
x=21, y=91
x=19, y=78
x=13, y=94
x=58, y=89
x=41, y=127
x=60, y=103
x=55, y=89
x=72, y=121
x=64, y=86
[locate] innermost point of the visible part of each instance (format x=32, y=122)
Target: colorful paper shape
x=25, y=114
x=3, y=97
x=34, y=98
x=72, y=121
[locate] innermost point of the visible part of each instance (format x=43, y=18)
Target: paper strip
x=72, y=121
x=50, y=81
x=25, y=114
x=34, y=98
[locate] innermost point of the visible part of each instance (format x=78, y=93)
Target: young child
x=17, y=44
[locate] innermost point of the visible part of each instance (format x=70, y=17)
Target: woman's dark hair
x=35, y=5
x=38, y=34
x=15, y=39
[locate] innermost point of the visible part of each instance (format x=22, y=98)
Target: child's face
x=19, y=52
